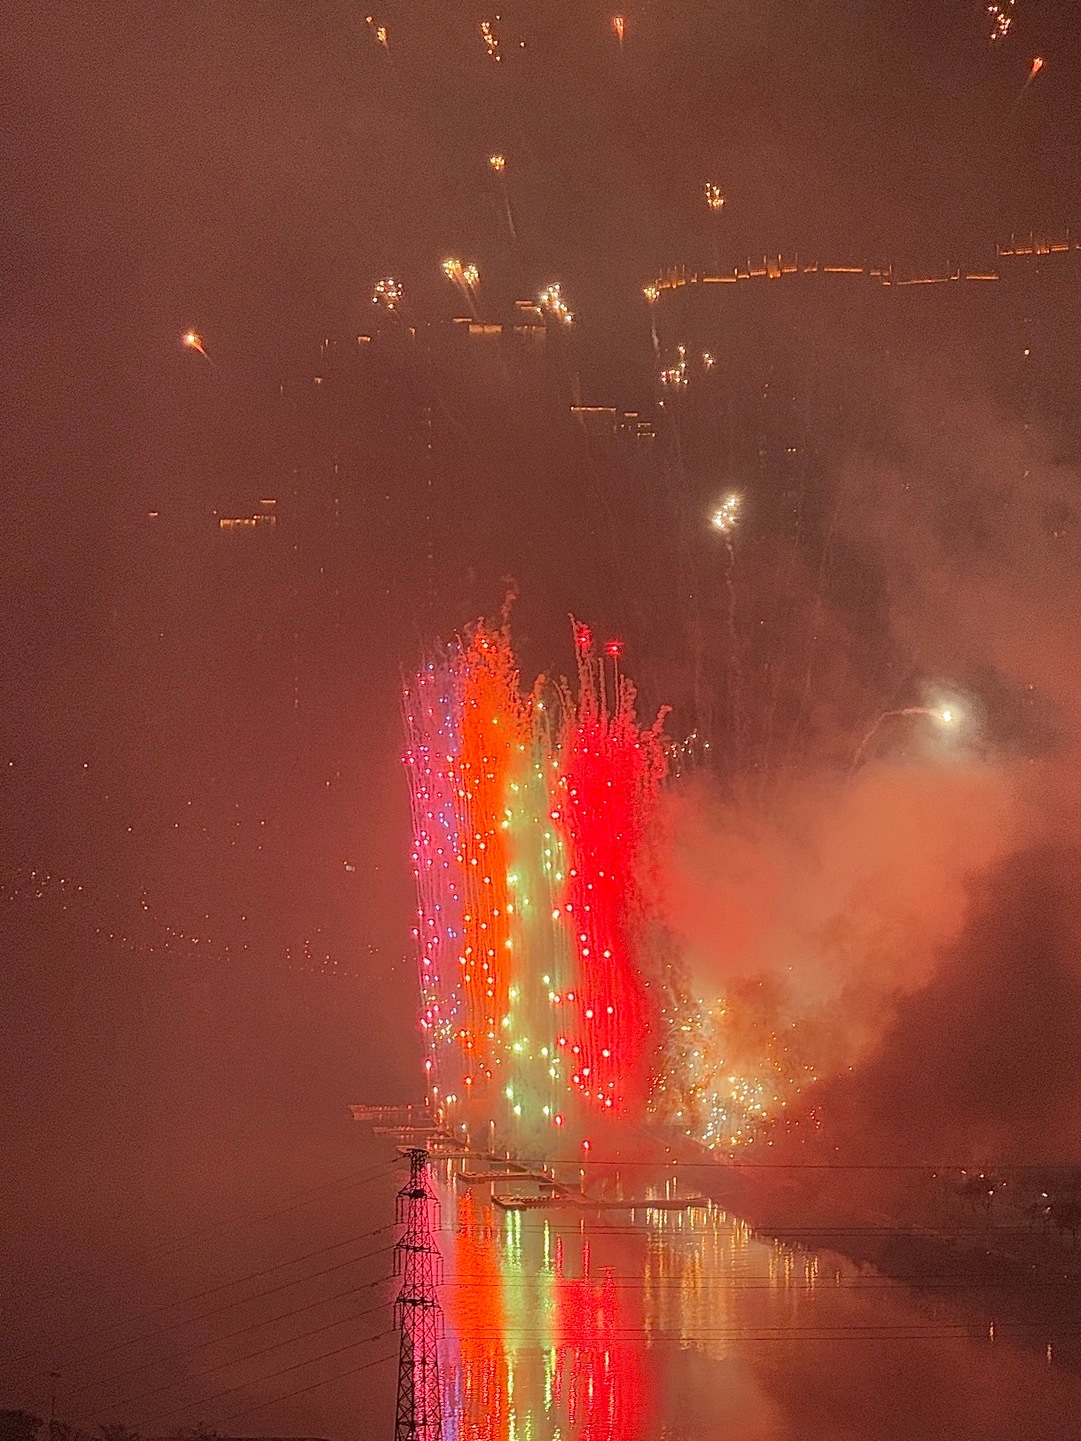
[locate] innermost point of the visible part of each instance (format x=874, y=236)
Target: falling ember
x=387, y=293
x=1001, y=16
x=726, y=515
x=379, y=31
x=491, y=43
x=552, y=303
x=675, y=376
x=714, y=196
x=498, y=165
x=651, y=293
x=470, y=276
x=452, y=269
x=194, y=341
x=619, y=25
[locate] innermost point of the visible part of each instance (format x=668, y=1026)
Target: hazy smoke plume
x=914, y=926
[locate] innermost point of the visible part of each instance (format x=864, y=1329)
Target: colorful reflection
x=657, y=1324
x=538, y=1344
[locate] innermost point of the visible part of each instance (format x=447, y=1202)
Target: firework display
x=530, y=814
x=552, y=998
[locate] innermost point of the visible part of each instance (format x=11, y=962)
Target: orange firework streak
x=493, y=738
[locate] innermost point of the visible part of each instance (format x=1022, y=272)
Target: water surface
x=661, y=1324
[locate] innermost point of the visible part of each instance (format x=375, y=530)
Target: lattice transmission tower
x=417, y=1312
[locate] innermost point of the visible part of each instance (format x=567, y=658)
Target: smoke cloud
x=911, y=928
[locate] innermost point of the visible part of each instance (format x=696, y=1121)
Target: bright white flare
x=726, y=515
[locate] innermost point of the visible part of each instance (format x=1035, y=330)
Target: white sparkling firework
x=387, y=293
x=714, y=196
x=676, y=375
x=1000, y=14
x=491, y=42
x=726, y=515
x=552, y=303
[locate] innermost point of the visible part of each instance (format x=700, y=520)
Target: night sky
x=250, y=170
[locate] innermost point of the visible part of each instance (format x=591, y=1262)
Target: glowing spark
x=676, y=375
x=651, y=293
x=551, y=301
x=714, y=196
x=726, y=515
x=491, y=44
x=379, y=31
x=708, y=361
x=387, y=293
x=1000, y=13
x=619, y=25
x=465, y=277
x=498, y=164
x=945, y=715
x=194, y=341
x=1034, y=70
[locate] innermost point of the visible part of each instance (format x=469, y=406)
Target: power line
x=231, y=1335
x=254, y=1355
x=354, y=1178
x=344, y=1183
x=230, y=1305
x=304, y=1391
x=236, y=1281
x=297, y=1366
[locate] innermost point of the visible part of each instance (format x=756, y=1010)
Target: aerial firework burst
x=552, y=303
x=387, y=293
x=675, y=376
x=491, y=41
x=1000, y=14
x=714, y=196
x=465, y=278
x=726, y=515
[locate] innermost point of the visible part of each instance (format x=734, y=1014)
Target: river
x=685, y=1324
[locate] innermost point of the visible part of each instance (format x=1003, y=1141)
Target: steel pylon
x=417, y=1312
